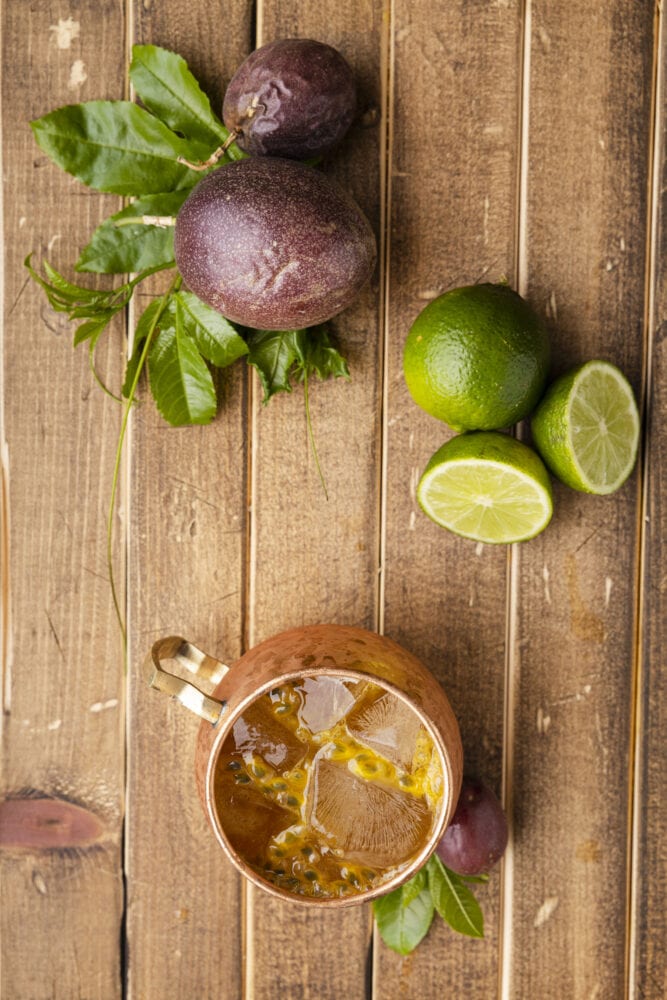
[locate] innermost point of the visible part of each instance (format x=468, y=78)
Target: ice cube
x=249, y=819
x=326, y=700
x=258, y=732
x=370, y=823
x=385, y=724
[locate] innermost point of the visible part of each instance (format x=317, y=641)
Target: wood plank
x=573, y=634
x=316, y=559
x=648, y=959
x=187, y=535
x=454, y=166
x=60, y=827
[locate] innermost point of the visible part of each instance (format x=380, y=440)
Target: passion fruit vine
x=271, y=244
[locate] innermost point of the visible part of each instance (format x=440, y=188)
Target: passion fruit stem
x=163, y=221
x=215, y=156
x=234, y=134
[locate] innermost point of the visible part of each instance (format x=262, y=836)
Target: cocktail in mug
x=333, y=763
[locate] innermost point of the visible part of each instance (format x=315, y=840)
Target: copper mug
x=343, y=652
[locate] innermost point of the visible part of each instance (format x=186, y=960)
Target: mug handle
x=204, y=667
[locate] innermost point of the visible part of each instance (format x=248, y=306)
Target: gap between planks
x=638, y=675
x=250, y=563
x=5, y=580
x=512, y=669
x=387, y=148
x=125, y=498
x=387, y=55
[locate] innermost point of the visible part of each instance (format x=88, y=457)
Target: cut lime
x=587, y=428
x=488, y=487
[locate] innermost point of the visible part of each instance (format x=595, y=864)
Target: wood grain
x=454, y=162
x=62, y=719
x=315, y=559
x=187, y=536
x=572, y=623
x=648, y=960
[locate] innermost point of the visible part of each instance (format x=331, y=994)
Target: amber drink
x=328, y=787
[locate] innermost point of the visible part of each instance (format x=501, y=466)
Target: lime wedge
x=488, y=487
x=587, y=428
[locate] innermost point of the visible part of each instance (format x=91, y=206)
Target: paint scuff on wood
x=543, y=721
x=102, y=706
x=78, y=75
x=39, y=883
x=65, y=31
x=545, y=911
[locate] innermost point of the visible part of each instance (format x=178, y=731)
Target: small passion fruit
x=476, y=837
x=292, y=98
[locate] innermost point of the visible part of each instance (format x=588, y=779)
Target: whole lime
x=477, y=357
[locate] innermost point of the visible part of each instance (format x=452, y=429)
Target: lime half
x=488, y=487
x=587, y=428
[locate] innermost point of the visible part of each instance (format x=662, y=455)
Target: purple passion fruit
x=294, y=98
x=476, y=838
x=273, y=244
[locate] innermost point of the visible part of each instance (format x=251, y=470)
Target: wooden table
x=523, y=140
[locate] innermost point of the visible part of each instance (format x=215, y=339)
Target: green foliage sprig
x=404, y=916
x=150, y=153
x=144, y=153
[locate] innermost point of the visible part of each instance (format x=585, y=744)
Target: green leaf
x=96, y=307
x=166, y=86
x=453, y=900
x=92, y=310
x=280, y=355
x=78, y=293
x=116, y=146
x=403, y=919
x=415, y=885
x=92, y=328
x=115, y=249
x=218, y=341
x=319, y=356
x=62, y=295
x=180, y=382
x=141, y=331
x=274, y=353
